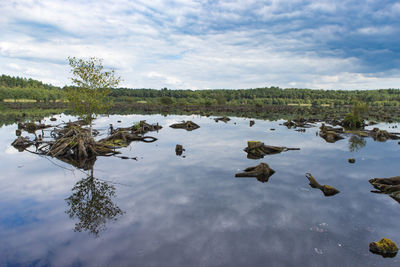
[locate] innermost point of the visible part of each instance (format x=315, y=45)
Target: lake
x=167, y=210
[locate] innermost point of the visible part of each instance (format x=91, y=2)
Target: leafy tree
x=92, y=204
x=355, y=118
x=92, y=85
x=221, y=100
x=166, y=100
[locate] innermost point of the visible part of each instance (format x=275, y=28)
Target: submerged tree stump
x=384, y=247
x=262, y=172
x=179, y=150
x=257, y=149
x=326, y=189
x=382, y=135
x=330, y=134
x=187, y=125
x=22, y=143
x=389, y=186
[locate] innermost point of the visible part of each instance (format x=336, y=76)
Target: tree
x=88, y=96
x=92, y=204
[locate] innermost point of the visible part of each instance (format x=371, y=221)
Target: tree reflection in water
x=356, y=143
x=91, y=203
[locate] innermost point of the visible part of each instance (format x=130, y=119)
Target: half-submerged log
x=262, y=172
x=187, y=125
x=257, y=149
x=224, y=119
x=326, y=189
x=384, y=247
x=389, y=186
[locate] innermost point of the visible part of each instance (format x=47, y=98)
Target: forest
x=25, y=90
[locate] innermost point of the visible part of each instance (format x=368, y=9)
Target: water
x=191, y=210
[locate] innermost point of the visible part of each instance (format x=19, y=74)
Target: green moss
x=385, y=245
x=115, y=142
x=357, y=132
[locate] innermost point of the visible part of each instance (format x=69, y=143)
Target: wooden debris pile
x=75, y=144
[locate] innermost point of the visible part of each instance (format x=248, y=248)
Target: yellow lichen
x=386, y=245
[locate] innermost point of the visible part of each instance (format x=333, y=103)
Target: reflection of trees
x=91, y=203
x=356, y=143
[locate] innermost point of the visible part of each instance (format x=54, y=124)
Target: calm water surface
x=191, y=210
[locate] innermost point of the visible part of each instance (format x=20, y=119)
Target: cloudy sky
x=196, y=44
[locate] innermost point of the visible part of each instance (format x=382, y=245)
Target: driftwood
x=389, y=186
x=257, y=149
x=188, y=125
x=262, y=172
x=326, y=189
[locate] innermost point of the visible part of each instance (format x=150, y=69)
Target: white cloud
x=184, y=44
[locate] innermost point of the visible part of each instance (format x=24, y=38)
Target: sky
x=199, y=44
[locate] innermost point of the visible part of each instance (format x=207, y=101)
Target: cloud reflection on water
x=193, y=211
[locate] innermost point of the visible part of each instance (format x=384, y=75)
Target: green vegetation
x=21, y=88
x=261, y=96
x=355, y=119
x=27, y=89
x=88, y=97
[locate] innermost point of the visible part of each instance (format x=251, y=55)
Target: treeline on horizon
x=17, y=88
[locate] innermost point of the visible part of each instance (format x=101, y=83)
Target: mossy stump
x=327, y=190
x=384, y=247
x=262, y=172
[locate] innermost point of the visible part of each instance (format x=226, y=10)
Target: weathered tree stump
x=188, y=125
x=179, y=150
x=21, y=143
x=326, y=189
x=262, y=172
x=384, y=247
x=389, y=186
x=257, y=149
